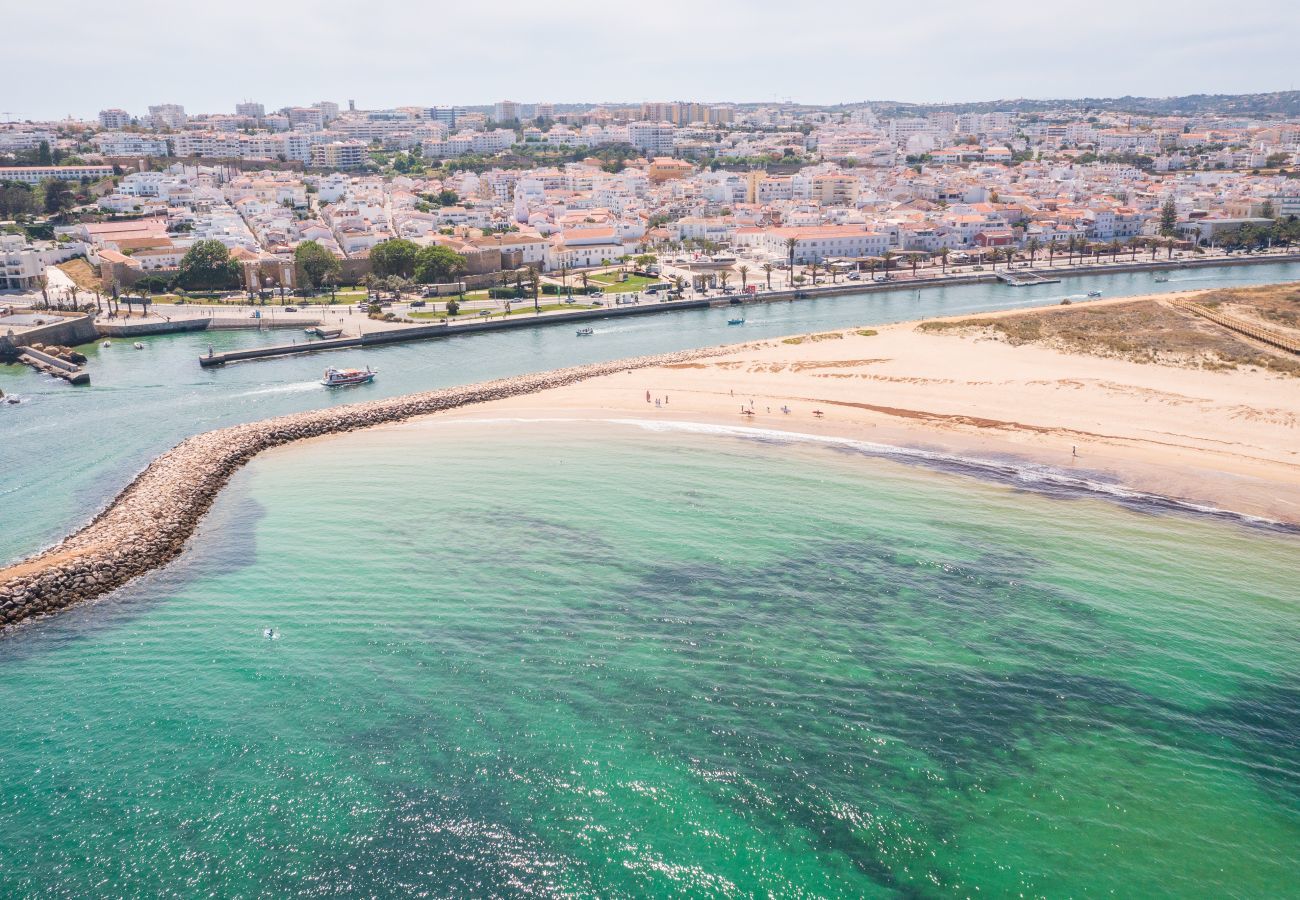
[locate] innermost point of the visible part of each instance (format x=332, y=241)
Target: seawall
x=148, y=523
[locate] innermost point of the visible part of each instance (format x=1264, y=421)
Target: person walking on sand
x=1074, y=450
x=647, y=396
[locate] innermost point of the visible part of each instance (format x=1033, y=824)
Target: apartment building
x=114, y=118
x=37, y=174
x=652, y=138
x=119, y=143
x=250, y=110
x=505, y=111
x=167, y=115
x=339, y=155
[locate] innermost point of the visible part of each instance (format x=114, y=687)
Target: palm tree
x=790, y=244
x=812, y=269
x=744, y=277
x=767, y=270
x=564, y=277
x=1051, y=253
x=1134, y=244
x=915, y=259
x=679, y=282
x=1115, y=247
x=885, y=258
x=534, y=285
x=943, y=259
x=585, y=279
x=724, y=277
x=1032, y=246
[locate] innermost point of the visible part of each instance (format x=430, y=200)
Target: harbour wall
x=148, y=523
x=67, y=330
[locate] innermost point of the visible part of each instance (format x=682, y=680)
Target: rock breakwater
x=148, y=523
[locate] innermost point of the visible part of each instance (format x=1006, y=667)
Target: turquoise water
x=67, y=451
x=561, y=660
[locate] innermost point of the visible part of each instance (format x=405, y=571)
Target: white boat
x=1161, y=279
x=584, y=332
x=106, y=344
x=138, y=345
x=1094, y=294
x=342, y=377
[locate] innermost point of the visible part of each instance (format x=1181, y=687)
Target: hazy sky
x=77, y=57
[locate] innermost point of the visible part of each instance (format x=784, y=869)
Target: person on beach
x=647, y=396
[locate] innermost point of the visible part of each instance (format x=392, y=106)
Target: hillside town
x=737, y=188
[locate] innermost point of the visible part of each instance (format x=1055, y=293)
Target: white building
x=167, y=115
x=114, y=118
x=121, y=143
x=652, y=138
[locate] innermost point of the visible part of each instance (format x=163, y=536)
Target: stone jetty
x=148, y=523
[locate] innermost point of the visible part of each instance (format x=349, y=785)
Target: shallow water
x=542, y=660
x=66, y=451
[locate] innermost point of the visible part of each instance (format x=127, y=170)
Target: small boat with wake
x=139, y=345
x=1093, y=295
x=739, y=320
x=585, y=332
x=344, y=377
x=1161, y=279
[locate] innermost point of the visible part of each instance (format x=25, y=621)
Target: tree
x=943, y=259
x=1168, y=218
x=315, y=265
x=790, y=244
x=58, y=196
x=394, y=257
x=436, y=264
x=43, y=156
x=1266, y=210
x=744, y=276
x=767, y=270
x=207, y=266
x=1032, y=246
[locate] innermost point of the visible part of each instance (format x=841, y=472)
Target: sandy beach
x=1228, y=439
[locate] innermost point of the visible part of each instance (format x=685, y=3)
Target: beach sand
x=1227, y=439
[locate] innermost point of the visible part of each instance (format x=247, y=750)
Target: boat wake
x=296, y=387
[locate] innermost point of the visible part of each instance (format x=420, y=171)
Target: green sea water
x=595, y=660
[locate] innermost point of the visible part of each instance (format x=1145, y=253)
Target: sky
x=76, y=57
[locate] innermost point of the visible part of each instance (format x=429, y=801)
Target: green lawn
x=608, y=282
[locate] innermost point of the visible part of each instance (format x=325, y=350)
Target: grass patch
x=82, y=273
x=1144, y=331
x=866, y=332
x=814, y=338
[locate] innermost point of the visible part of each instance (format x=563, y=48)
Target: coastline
x=1203, y=439
x=147, y=524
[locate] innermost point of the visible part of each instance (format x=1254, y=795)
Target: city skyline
x=729, y=52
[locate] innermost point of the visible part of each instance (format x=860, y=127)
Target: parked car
x=854, y=276
x=291, y=309
x=417, y=303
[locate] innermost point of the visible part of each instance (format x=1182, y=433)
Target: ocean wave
x=1018, y=473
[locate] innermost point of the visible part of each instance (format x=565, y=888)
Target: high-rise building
x=544, y=111
x=447, y=115
x=311, y=116
x=505, y=111
x=329, y=111
x=720, y=115
x=250, y=110
x=652, y=138
x=167, y=115
x=114, y=118
x=339, y=155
